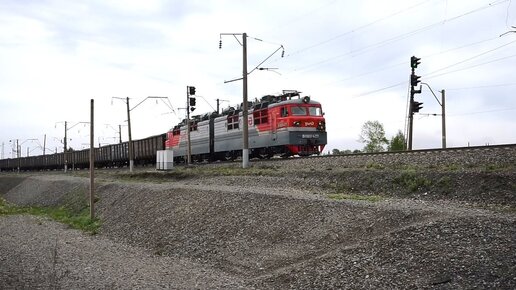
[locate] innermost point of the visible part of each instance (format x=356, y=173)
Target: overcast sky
x=352, y=56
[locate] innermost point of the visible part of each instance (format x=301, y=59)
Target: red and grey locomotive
x=285, y=125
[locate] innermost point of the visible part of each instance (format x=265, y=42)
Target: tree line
x=373, y=136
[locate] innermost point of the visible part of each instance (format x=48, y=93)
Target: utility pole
x=120, y=133
x=18, y=154
x=44, y=143
x=218, y=104
x=245, y=150
x=245, y=125
x=245, y=107
x=65, y=154
x=65, y=142
x=92, y=163
x=130, y=143
x=443, y=122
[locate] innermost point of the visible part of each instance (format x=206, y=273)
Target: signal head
x=416, y=106
x=191, y=91
x=414, y=80
x=414, y=61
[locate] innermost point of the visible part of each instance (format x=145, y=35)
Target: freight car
x=284, y=125
x=114, y=155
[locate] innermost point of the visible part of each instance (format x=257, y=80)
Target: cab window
x=315, y=111
x=284, y=112
x=298, y=111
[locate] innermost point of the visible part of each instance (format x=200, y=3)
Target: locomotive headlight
x=321, y=126
x=297, y=123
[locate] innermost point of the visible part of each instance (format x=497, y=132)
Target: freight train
x=283, y=125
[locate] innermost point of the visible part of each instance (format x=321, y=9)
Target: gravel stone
x=277, y=230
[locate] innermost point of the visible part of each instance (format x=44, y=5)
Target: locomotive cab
x=300, y=125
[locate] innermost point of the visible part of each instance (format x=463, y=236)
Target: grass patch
x=77, y=220
x=410, y=180
x=373, y=165
x=342, y=196
x=192, y=172
x=444, y=184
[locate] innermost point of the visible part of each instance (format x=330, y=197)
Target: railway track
x=503, y=153
x=497, y=155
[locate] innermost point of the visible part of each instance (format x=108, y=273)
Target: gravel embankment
x=257, y=232
x=36, y=253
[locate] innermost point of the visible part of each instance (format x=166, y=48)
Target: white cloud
x=56, y=56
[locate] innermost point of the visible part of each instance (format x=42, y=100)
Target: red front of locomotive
x=299, y=124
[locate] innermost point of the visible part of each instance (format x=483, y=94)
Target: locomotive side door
x=274, y=127
x=212, y=138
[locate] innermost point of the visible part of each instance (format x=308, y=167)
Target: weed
x=409, y=179
x=77, y=220
x=451, y=167
x=444, y=184
x=373, y=165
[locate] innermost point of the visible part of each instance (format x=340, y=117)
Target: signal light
x=414, y=61
x=192, y=102
x=416, y=106
x=191, y=91
x=220, y=44
x=414, y=80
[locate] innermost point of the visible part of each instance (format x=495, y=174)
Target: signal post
x=414, y=106
x=190, y=105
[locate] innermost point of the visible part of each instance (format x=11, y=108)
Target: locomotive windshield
x=298, y=111
x=315, y=111
x=302, y=111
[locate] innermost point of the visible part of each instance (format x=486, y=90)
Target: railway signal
x=191, y=91
x=414, y=62
x=192, y=104
x=414, y=80
x=416, y=106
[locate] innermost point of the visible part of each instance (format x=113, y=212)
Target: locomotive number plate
x=309, y=136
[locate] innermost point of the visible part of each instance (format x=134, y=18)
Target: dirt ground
x=266, y=231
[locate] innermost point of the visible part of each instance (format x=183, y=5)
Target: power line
x=470, y=58
x=398, y=37
x=356, y=29
x=482, y=87
x=405, y=62
x=470, y=67
x=482, y=112
x=430, y=76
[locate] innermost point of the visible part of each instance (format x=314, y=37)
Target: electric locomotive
x=284, y=125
